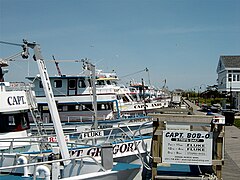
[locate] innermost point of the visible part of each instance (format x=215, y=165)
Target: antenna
x=56, y=63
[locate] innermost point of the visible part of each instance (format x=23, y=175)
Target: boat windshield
x=14, y=122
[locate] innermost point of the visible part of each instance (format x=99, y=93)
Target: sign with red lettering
x=54, y=138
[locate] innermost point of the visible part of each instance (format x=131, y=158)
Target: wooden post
x=158, y=127
x=218, y=138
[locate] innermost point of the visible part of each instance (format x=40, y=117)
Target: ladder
x=32, y=103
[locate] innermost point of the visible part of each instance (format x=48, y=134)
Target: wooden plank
x=217, y=162
x=182, y=118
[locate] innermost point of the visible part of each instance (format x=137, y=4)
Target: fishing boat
x=128, y=105
x=75, y=95
x=14, y=108
x=57, y=162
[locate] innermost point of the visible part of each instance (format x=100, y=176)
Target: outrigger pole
x=49, y=94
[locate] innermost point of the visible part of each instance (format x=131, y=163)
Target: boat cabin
x=14, y=118
x=74, y=96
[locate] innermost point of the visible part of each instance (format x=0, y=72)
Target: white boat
x=38, y=163
x=128, y=105
x=74, y=95
x=14, y=107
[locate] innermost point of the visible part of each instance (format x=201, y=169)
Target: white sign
x=142, y=106
x=13, y=101
x=54, y=138
x=218, y=120
x=187, y=147
x=91, y=134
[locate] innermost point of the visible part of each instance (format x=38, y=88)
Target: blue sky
x=177, y=40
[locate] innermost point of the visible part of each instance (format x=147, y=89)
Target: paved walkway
x=231, y=168
x=195, y=108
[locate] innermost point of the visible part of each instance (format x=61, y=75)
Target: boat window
x=60, y=107
x=100, y=82
x=89, y=83
x=229, y=77
x=81, y=83
x=45, y=108
x=82, y=107
x=125, y=99
x=130, y=97
x=40, y=84
x=134, y=96
x=103, y=107
x=77, y=107
x=71, y=107
x=88, y=107
x=72, y=84
x=119, y=97
x=234, y=77
x=15, y=122
x=57, y=83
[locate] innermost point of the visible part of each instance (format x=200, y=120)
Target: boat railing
x=19, y=86
x=124, y=135
x=83, y=118
x=42, y=141
x=110, y=135
x=76, y=118
x=122, y=128
x=121, y=132
x=103, y=90
x=56, y=166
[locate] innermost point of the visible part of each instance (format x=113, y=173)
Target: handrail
x=54, y=161
x=31, y=138
x=148, y=154
x=47, y=142
x=129, y=135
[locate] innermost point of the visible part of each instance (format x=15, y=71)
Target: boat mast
x=57, y=66
x=89, y=66
x=144, y=102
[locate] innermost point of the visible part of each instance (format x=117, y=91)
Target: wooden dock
x=231, y=167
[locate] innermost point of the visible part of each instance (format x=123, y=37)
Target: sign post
x=188, y=140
